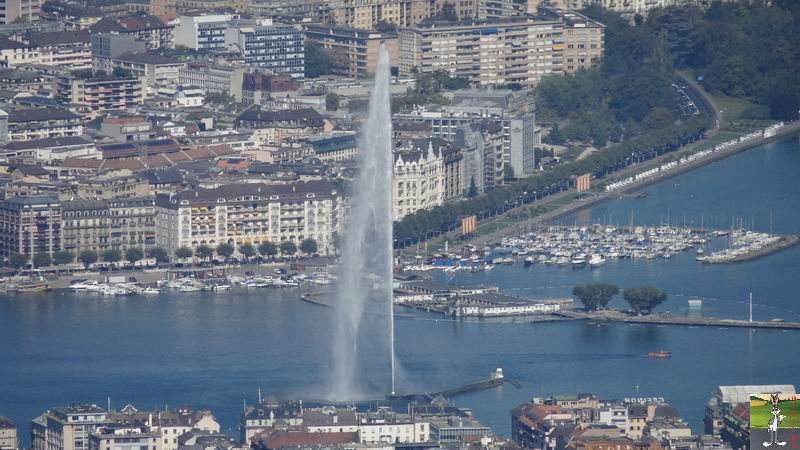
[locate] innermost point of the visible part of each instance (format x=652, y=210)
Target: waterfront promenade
x=669, y=319
x=592, y=199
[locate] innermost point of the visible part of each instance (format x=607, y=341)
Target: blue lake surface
x=215, y=350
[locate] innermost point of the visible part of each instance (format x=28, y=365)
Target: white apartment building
x=250, y=213
x=123, y=437
x=386, y=426
x=202, y=32
x=419, y=178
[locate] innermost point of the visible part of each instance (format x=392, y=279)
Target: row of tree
x=426, y=223
x=135, y=254
x=741, y=49
x=598, y=295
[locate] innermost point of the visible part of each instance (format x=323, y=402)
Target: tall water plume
x=364, y=331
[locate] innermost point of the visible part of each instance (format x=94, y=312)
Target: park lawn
x=761, y=414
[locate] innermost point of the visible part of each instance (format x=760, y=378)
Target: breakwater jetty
x=669, y=319
x=495, y=379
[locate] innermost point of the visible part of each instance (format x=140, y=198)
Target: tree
x=555, y=136
x=247, y=250
x=183, y=252
x=644, y=298
x=268, y=249
x=595, y=295
x=447, y=13
x=204, y=251
x=88, y=257
x=112, y=255
x=159, y=254
x=385, y=27
x=317, y=60
x=63, y=257
x=42, y=260
x=134, y=254
x=332, y=101
x=473, y=189
x=308, y=246
x=17, y=261
x=225, y=250
x=288, y=248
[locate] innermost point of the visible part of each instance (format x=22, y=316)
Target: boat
x=596, y=260
x=189, y=288
x=221, y=287
x=529, y=261
x=151, y=291
x=659, y=354
x=578, y=261
x=32, y=286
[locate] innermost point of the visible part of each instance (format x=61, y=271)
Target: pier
x=495, y=379
x=669, y=319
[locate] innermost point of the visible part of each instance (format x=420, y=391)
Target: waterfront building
x=273, y=127
x=262, y=417
x=269, y=45
x=458, y=429
x=167, y=426
x=387, y=426
x=100, y=225
x=250, y=213
x=202, y=31
x=30, y=225
x=482, y=145
x=205, y=440
x=540, y=426
x=119, y=436
x=330, y=419
x=418, y=177
x=68, y=428
x=299, y=439
x=492, y=304
x=8, y=434
x=146, y=28
x=43, y=123
x=96, y=93
x=360, y=47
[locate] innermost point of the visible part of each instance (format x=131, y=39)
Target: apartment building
x=167, y=426
x=69, y=50
x=12, y=11
x=42, y=123
x=13, y=53
x=96, y=93
x=214, y=78
x=273, y=127
x=418, y=177
x=8, y=434
x=67, y=428
x=365, y=14
x=250, y=213
x=202, y=31
x=360, y=46
x=584, y=39
x=118, y=436
x=100, y=225
x=154, y=70
x=512, y=50
x=143, y=27
x=481, y=145
x=271, y=46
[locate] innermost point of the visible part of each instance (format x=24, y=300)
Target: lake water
x=216, y=350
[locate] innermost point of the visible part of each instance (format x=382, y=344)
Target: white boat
x=189, y=288
x=151, y=291
x=596, y=260
x=221, y=287
x=529, y=261
x=578, y=261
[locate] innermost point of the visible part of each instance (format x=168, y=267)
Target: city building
x=389, y=427
x=117, y=436
x=335, y=148
x=8, y=434
x=51, y=149
x=94, y=93
x=168, y=426
x=109, y=45
x=366, y=15
x=43, y=123
x=13, y=53
x=259, y=418
x=214, y=78
x=152, y=69
x=202, y=31
x=67, y=428
x=100, y=225
x=361, y=47
x=478, y=50
x=250, y=213
x=458, y=429
x=69, y=50
x=269, y=45
x=258, y=88
x=143, y=27
x=14, y=11
x=117, y=184
x=482, y=145
x=273, y=127
x=418, y=177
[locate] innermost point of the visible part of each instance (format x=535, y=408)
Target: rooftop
x=39, y=114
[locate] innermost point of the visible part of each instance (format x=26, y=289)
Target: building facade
x=365, y=14
x=43, y=123
x=30, y=225
x=269, y=45
x=202, y=32
x=8, y=434
x=418, y=178
x=360, y=46
x=97, y=94
x=67, y=428
x=250, y=213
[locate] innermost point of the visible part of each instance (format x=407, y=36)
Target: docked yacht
x=596, y=260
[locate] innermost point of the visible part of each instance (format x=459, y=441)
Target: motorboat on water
x=151, y=291
x=596, y=260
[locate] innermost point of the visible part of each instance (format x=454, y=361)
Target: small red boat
x=660, y=354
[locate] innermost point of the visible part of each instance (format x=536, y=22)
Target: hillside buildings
x=509, y=50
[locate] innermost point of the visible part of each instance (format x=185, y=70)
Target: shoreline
x=787, y=131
